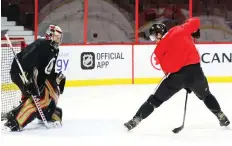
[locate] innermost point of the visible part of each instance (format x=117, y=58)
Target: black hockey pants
x=191, y=77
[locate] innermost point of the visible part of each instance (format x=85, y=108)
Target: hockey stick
x=177, y=130
x=162, y=79
x=26, y=81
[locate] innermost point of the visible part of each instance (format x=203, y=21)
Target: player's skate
x=132, y=123
x=224, y=121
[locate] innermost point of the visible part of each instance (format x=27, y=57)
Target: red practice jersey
x=177, y=49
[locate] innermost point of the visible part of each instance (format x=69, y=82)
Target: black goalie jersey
x=39, y=54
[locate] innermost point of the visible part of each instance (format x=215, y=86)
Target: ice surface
x=94, y=116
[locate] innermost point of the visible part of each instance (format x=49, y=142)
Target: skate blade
x=127, y=128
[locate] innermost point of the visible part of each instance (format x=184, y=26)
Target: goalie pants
x=191, y=77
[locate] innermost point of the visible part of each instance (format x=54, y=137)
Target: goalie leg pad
x=48, y=111
x=55, y=120
x=52, y=113
x=28, y=112
x=12, y=123
x=57, y=115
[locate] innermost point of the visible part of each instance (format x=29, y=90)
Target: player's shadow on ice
x=82, y=128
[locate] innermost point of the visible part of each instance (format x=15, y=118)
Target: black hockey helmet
x=158, y=28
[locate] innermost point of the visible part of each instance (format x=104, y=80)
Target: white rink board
x=216, y=59
x=143, y=66
x=109, y=61
x=212, y=60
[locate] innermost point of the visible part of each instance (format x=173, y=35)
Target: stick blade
x=177, y=130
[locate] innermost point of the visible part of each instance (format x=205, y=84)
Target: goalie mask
x=55, y=34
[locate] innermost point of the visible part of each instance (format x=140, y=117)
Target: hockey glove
x=188, y=90
x=196, y=34
x=59, y=77
x=60, y=80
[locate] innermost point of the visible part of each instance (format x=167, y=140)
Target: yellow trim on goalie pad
x=55, y=117
x=121, y=81
x=52, y=92
x=29, y=108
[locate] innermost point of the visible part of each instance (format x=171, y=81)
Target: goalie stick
x=26, y=81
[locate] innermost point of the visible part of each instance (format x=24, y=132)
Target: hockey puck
x=95, y=35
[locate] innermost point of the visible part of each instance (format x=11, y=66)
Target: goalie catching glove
x=60, y=81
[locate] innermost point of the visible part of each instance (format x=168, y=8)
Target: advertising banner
x=216, y=60
x=95, y=62
x=112, y=64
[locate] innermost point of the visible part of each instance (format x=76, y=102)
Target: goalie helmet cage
x=10, y=93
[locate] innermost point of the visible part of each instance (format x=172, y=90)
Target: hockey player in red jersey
x=180, y=61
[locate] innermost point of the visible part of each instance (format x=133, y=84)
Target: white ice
x=94, y=116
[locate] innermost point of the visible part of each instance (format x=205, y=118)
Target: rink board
x=138, y=66
x=131, y=64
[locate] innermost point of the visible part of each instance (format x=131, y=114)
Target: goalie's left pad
x=53, y=115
